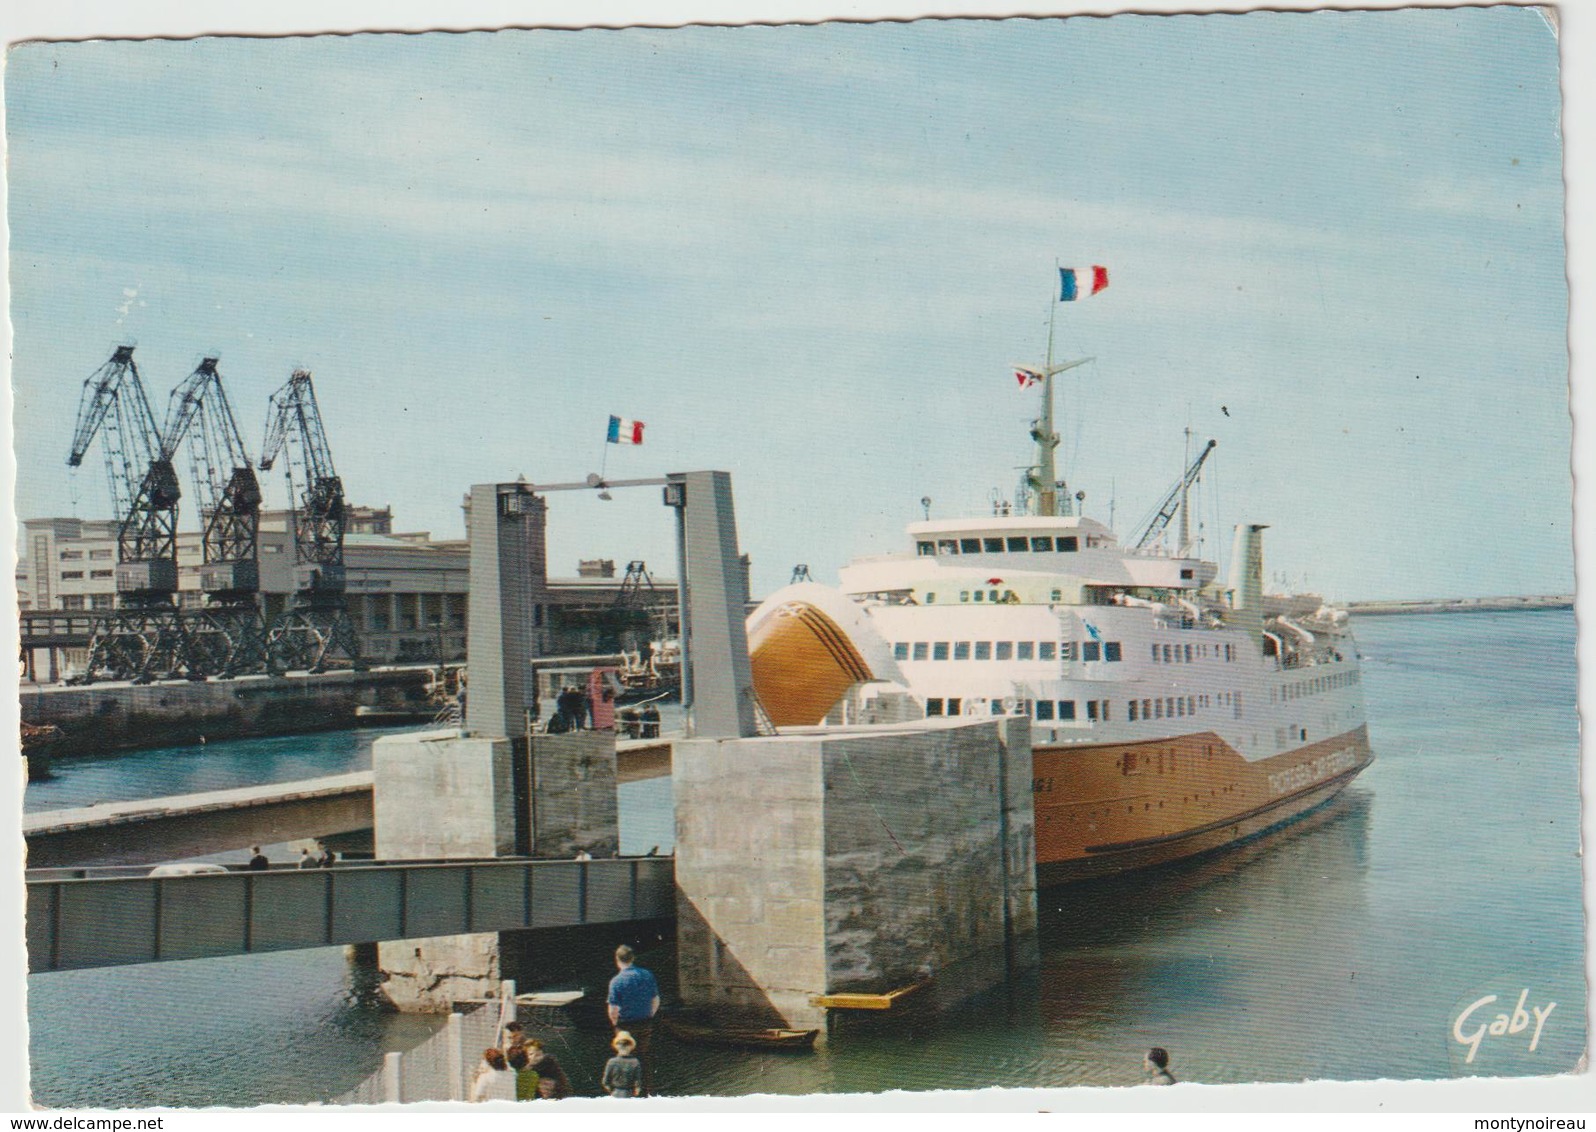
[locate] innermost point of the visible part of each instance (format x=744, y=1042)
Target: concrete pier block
x=427, y=976
x=573, y=800
x=861, y=859
x=441, y=794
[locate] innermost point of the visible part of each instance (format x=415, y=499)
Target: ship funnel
x=1246, y=579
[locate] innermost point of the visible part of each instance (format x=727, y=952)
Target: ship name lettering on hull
x=1315, y=770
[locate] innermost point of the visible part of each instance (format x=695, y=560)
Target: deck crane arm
x=1171, y=502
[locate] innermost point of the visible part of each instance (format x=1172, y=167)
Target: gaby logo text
x=1471, y=1027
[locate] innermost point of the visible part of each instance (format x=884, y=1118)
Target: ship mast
x=1043, y=432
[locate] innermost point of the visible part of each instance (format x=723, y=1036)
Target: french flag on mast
x=625, y=432
x=1069, y=287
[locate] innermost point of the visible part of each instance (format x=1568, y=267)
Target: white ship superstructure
x=1171, y=712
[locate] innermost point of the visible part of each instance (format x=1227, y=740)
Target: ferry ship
x=1171, y=713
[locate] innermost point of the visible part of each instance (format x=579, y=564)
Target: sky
x=811, y=256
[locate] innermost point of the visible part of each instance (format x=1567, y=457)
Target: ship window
x=1091, y=650
x=997, y=707
x=1005, y=650
x=969, y=546
x=1019, y=543
x=992, y=545
x=1044, y=709
x=1111, y=650
x=1188, y=654
x=947, y=546
x=1155, y=654
x=1166, y=654
x=920, y=650
x=1105, y=711
x=1042, y=542
x=1068, y=544
x=983, y=650
x=1186, y=574
x=1147, y=709
x=961, y=650
x=933, y=706
x=1127, y=764
x=1180, y=706
x=992, y=595
x=980, y=595
x=1066, y=651
x=1091, y=710
x=930, y=599
x=926, y=547
x=1045, y=650
x=939, y=650
x=1158, y=709
x=1066, y=710
x=900, y=651
x=955, y=706
x=1133, y=711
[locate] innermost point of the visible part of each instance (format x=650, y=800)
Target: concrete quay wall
x=99, y=718
x=1460, y=605
x=853, y=860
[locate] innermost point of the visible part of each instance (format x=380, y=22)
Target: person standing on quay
x=258, y=861
x=623, y=1075
x=633, y=1002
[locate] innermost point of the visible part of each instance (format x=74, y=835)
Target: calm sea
x=1346, y=946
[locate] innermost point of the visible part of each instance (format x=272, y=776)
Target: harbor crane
x=315, y=629
x=144, y=637
x=1174, y=501
x=227, y=636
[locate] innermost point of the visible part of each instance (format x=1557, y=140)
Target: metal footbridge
x=79, y=918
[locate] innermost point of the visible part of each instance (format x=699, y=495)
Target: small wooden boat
x=551, y=999
x=737, y=1037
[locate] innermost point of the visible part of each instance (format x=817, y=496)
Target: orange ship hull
x=1100, y=807
x=1108, y=808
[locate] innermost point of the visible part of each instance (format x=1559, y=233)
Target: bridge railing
x=41, y=626
x=111, y=921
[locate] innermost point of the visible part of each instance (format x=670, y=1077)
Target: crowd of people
x=522, y=1064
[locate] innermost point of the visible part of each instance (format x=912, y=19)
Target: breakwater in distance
x=101, y=718
x=1461, y=605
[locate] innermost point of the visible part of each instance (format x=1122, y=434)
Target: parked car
x=189, y=869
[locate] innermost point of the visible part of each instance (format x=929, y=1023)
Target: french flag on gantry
x=625, y=432
x=1069, y=286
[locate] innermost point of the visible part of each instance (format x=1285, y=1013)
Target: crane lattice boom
x=230, y=495
x=144, y=488
x=1171, y=502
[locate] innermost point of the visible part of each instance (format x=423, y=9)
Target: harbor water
x=1371, y=939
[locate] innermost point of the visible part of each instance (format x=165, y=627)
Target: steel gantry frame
x=315, y=629
x=145, y=637
x=227, y=636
